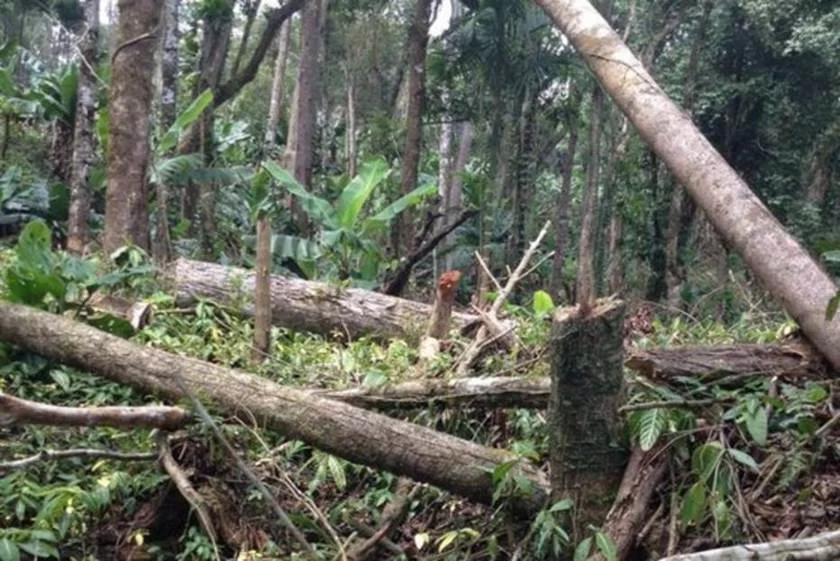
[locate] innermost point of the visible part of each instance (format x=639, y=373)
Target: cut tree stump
x=304, y=305
x=587, y=450
x=357, y=435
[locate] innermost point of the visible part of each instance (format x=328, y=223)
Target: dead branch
x=17, y=411
x=182, y=483
x=86, y=453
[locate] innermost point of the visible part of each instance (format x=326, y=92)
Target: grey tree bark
x=84, y=139
x=354, y=434
x=130, y=104
x=278, y=84
x=771, y=253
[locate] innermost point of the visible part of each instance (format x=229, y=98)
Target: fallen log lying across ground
x=822, y=547
x=357, y=435
x=304, y=305
x=706, y=363
x=711, y=363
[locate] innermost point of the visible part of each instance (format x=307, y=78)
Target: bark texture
x=306, y=305
x=130, y=104
x=262, y=292
x=585, y=291
x=770, y=252
x=587, y=454
x=278, y=83
x=84, y=140
x=299, y=145
x=356, y=435
x=418, y=38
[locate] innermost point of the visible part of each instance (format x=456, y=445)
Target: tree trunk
x=251, y=9
x=587, y=451
x=278, y=85
x=418, y=38
x=299, y=144
x=567, y=165
x=162, y=243
x=585, y=288
x=674, y=273
x=262, y=292
x=129, y=105
x=454, y=202
x=772, y=254
x=301, y=138
x=352, y=150
x=84, y=139
x=305, y=305
x=356, y=435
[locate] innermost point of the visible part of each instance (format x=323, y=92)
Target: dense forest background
x=378, y=144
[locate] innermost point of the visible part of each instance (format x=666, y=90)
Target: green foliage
x=42, y=278
x=347, y=235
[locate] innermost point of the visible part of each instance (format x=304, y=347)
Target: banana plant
x=347, y=236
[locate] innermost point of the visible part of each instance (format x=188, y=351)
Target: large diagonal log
x=304, y=305
x=357, y=435
x=770, y=252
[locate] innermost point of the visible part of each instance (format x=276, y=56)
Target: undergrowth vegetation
x=732, y=442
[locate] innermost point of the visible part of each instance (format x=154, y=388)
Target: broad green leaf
x=40, y=549
x=446, y=540
x=705, y=458
x=318, y=209
x=421, y=540
x=694, y=503
x=356, y=193
x=384, y=216
x=757, y=425
x=606, y=546
x=743, y=458
x=651, y=425
x=9, y=551
x=582, y=550
x=562, y=505
x=61, y=378
x=832, y=256
x=543, y=304
x=187, y=116
x=8, y=87
x=336, y=468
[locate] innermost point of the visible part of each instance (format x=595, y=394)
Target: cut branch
x=359, y=436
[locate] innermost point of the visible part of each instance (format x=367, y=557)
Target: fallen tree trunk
x=711, y=363
x=502, y=391
x=823, y=547
x=304, y=305
x=354, y=434
x=704, y=363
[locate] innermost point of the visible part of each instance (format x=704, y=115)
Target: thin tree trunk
x=585, y=288
x=162, y=243
x=352, y=150
x=129, y=104
x=84, y=139
x=770, y=252
x=567, y=165
x=357, y=435
x=299, y=146
x=418, y=38
x=455, y=201
x=262, y=292
x=251, y=9
x=674, y=273
x=278, y=84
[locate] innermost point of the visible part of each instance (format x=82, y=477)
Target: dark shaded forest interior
x=419, y=279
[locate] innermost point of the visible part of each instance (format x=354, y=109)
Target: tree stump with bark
x=587, y=452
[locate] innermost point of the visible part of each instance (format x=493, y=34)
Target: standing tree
x=130, y=103
x=84, y=139
x=770, y=252
x=418, y=38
